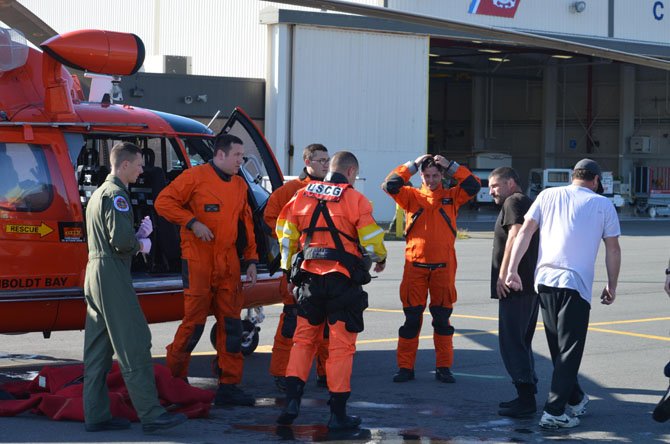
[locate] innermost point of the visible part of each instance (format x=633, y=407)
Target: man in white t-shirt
x=572, y=220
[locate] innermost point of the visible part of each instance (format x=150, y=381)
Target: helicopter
x=54, y=153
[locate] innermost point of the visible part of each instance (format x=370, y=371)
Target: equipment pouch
x=297, y=274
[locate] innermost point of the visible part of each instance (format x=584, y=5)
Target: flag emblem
x=498, y=8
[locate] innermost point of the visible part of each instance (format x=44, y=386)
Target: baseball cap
x=592, y=167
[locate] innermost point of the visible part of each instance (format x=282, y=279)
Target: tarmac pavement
x=626, y=350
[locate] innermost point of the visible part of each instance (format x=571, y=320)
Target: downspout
x=589, y=109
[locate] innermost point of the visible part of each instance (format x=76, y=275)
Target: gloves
x=145, y=245
x=146, y=227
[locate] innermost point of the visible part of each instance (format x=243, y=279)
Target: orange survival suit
x=329, y=220
x=283, y=340
x=430, y=258
x=210, y=270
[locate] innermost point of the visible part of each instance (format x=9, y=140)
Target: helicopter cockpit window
x=199, y=150
x=25, y=184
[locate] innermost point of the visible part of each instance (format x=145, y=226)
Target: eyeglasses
x=321, y=161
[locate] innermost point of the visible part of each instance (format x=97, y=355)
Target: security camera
x=188, y=100
x=579, y=6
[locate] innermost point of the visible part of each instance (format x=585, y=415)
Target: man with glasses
x=316, y=161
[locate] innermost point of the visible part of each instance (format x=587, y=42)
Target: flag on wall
x=498, y=8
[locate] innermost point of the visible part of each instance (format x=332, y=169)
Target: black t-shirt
x=512, y=212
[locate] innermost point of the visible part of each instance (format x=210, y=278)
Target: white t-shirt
x=572, y=220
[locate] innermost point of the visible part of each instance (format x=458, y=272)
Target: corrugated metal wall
x=550, y=16
x=223, y=37
x=362, y=92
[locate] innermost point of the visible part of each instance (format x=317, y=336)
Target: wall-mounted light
x=561, y=56
x=444, y=62
x=499, y=59
x=579, y=7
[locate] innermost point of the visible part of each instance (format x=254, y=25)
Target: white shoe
x=558, y=422
x=579, y=409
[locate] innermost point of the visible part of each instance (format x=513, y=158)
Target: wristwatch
x=667, y=271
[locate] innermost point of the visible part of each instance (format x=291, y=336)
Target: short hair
x=343, y=160
x=311, y=149
x=583, y=174
x=505, y=173
x=123, y=151
x=430, y=162
x=225, y=142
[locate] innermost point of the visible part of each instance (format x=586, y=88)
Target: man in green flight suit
x=114, y=320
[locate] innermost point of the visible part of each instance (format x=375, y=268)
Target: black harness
x=356, y=266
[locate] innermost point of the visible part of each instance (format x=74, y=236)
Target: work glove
x=146, y=228
x=145, y=245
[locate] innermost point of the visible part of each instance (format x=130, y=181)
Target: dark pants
x=566, y=321
x=517, y=318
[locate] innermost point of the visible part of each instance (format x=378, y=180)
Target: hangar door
x=349, y=91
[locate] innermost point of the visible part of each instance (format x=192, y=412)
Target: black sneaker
x=322, y=381
x=443, y=374
x=403, y=375
x=519, y=410
x=165, y=421
x=343, y=423
x=662, y=410
x=280, y=383
x=508, y=404
x=110, y=424
x=230, y=394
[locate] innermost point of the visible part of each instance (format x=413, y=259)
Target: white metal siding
x=362, y=92
x=223, y=37
x=647, y=20
x=539, y=15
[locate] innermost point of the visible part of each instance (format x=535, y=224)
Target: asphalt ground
x=626, y=350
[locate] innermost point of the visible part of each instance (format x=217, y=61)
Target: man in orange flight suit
x=316, y=161
x=332, y=222
x=207, y=201
x=430, y=258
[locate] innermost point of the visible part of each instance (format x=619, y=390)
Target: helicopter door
x=42, y=242
x=262, y=174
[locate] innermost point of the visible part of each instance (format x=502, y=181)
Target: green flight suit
x=115, y=322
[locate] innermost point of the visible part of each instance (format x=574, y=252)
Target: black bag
x=297, y=274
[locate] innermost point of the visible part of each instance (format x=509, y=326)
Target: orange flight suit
x=430, y=258
x=283, y=340
x=328, y=292
x=210, y=270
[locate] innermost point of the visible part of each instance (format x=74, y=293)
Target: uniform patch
x=325, y=191
x=211, y=208
x=121, y=204
x=447, y=201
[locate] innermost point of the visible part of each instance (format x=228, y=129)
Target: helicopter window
x=25, y=184
x=199, y=150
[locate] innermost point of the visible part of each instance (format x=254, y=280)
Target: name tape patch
x=323, y=191
x=121, y=204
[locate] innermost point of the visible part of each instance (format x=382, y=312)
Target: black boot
x=294, y=390
x=525, y=404
x=231, y=394
x=404, y=375
x=339, y=420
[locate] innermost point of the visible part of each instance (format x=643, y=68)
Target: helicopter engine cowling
x=103, y=52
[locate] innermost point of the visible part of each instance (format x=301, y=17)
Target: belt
x=429, y=266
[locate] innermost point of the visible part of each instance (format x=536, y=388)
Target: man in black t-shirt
x=517, y=310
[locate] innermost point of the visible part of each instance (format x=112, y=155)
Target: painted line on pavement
x=427, y=313
x=627, y=333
